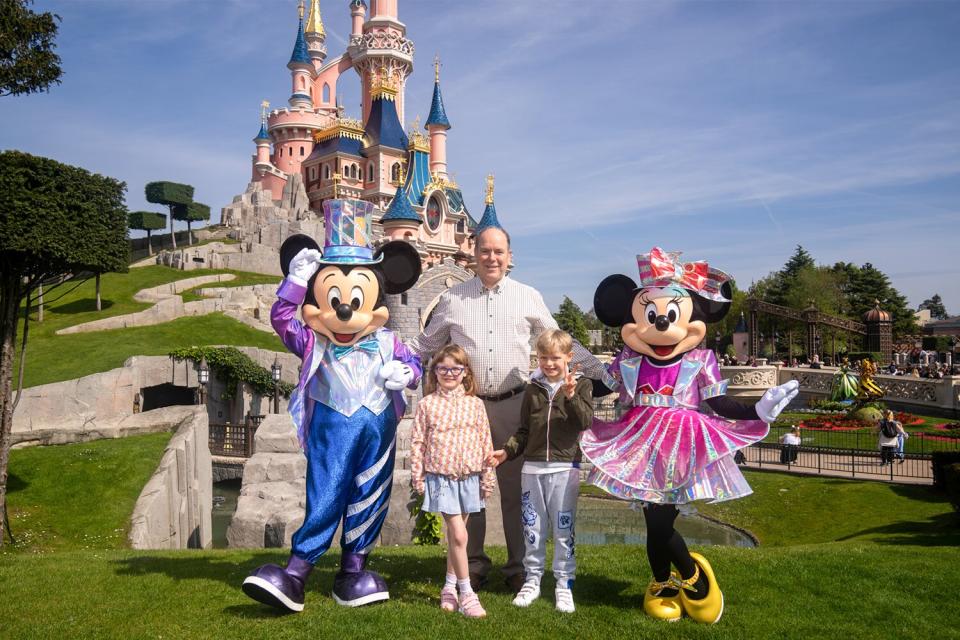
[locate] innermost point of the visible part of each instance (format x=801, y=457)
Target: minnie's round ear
x=710, y=310
x=613, y=299
x=400, y=267
x=291, y=247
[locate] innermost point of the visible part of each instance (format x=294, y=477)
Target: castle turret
x=489, y=218
x=383, y=9
x=401, y=222
x=437, y=125
x=262, y=162
x=358, y=10
x=301, y=69
x=382, y=46
x=315, y=35
x=385, y=141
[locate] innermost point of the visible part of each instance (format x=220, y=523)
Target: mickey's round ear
x=291, y=247
x=613, y=299
x=400, y=266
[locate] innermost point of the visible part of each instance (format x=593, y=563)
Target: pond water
x=599, y=521
x=610, y=521
x=225, y=496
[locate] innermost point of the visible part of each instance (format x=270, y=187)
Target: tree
x=935, y=306
x=785, y=280
x=870, y=286
x=195, y=212
x=27, y=61
x=148, y=221
x=56, y=222
x=174, y=195
x=570, y=319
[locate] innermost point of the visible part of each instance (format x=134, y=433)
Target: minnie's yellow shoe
x=663, y=607
x=706, y=610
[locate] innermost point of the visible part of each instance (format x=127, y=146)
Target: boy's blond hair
x=555, y=341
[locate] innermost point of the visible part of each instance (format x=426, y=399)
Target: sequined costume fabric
x=663, y=450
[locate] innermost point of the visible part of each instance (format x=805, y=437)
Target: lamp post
x=203, y=373
x=717, y=344
x=275, y=370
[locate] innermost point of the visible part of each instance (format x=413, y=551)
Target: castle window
x=370, y=175
x=313, y=173
x=301, y=150
x=395, y=172
x=360, y=174
x=434, y=213
x=326, y=92
x=326, y=172
x=403, y=299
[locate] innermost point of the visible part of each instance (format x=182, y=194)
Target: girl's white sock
x=464, y=586
x=451, y=580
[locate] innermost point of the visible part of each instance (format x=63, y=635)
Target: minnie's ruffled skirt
x=669, y=455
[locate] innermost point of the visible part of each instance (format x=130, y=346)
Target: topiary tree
x=195, y=212
x=174, y=195
x=148, y=221
x=56, y=222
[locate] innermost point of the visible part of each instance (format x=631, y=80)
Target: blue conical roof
x=437, y=115
x=741, y=325
x=300, y=53
x=489, y=219
x=263, y=135
x=400, y=208
x=383, y=125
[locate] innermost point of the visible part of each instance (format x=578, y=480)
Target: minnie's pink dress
x=663, y=450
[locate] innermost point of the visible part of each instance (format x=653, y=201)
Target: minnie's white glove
x=776, y=399
x=303, y=266
x=396, y=375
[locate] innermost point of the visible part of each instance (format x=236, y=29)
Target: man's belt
x=503, y=396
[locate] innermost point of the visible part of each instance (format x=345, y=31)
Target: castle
x=310, y=151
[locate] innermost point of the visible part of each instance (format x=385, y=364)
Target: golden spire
x=314, y=21
x=386, y=85
x=436, y=68
x=264, y=108
x=336, y=183
x=402, y=174
x=300, y=9
x=489, y=198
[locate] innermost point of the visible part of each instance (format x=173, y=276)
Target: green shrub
x=233, y=367
x=168, y=193
x=146, y=220
x=427, y=527
x=951, y=483
x=939, y=461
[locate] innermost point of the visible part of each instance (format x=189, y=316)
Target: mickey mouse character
x=663, y=451
x=349, y=399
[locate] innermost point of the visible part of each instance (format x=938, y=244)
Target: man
x=495, y=318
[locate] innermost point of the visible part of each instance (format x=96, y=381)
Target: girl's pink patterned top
x=451, y=437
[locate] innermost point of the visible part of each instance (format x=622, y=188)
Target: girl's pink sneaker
x=448, y=598
x=470, y=606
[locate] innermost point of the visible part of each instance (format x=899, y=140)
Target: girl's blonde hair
x=457, y=354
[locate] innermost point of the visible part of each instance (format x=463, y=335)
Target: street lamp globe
x=204, y=371
x=275, y=369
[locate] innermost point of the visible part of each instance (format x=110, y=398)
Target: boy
x=557, y=406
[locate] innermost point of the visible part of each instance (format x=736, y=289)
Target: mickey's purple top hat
x=348, y=228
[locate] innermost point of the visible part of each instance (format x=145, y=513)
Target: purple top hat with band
x=348, y=232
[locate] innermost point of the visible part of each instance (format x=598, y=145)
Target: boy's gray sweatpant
x=549, y=501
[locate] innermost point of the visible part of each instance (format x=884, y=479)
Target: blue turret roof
x=741, y=325
x=418, y=176
x=400, y=208
x=300, y=55
x=489, y=219
x=437, y=115
x=383, y=126
x=263, y=132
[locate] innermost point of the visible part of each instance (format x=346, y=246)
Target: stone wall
x=101, y=405
x=173, y=510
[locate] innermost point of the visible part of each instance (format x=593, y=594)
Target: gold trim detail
x=342, y=128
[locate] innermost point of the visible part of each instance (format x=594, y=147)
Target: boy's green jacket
x=550, y=430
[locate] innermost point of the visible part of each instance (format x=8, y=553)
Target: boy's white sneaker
x=564, y=599
x=529, y=592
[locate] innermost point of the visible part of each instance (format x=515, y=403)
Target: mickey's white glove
x=396, y=375
x=303, y=266
x=776, y=399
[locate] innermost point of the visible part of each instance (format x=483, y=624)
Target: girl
x=449, y=444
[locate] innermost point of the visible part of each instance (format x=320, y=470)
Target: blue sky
x=732, y=131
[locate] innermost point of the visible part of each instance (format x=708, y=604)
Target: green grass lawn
x=78, y=496
x=242, y=280
x=53, y=358
x=839, y=559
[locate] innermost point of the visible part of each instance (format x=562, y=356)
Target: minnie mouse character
x=663, y=451
x=349, y=399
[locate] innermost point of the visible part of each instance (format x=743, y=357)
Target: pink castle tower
x=370, y=158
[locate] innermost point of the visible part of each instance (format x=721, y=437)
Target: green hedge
x=197, y=211
x=233, y=367
x=146, y=220
x=168, y=193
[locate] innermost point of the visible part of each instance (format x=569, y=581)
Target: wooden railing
x=234, y=440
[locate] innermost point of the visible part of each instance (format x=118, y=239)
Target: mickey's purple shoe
x=354, y=586
x=277, y=586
